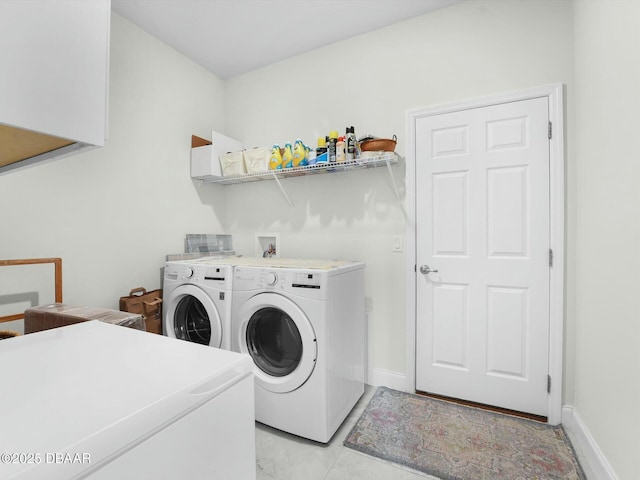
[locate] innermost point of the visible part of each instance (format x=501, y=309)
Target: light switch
x=398, y=244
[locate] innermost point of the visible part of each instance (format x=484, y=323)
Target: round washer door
x=191, y=315
x=280, y=339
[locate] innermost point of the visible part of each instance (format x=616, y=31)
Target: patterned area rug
x=455, y=442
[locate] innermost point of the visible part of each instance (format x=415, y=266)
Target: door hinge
x=550, y=131
x=550, y=258
x=548, y=383
x=415, y=269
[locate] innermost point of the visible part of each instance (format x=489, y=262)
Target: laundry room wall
x=112, y=214
x=607, y=366
x=468, y=50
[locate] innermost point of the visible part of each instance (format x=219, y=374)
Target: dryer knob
x=271, y=278
x=188, y=272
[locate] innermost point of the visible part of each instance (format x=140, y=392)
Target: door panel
x=507, y=331
x=482, y=209
x=451, y=326
x=507, y=211
x=450, y=213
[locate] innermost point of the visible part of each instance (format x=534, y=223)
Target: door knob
x=424, y=269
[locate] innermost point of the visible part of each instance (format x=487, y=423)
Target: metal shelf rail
x=382, y=159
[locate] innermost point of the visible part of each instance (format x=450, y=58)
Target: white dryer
x=304, y=328
x=197, y=301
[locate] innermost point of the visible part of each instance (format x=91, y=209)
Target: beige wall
x=114, y=213
x=607, y=288
x=469, y=50
x=86, y=208
x=472, y=49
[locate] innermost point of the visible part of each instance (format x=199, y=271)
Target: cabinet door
x=54, y=67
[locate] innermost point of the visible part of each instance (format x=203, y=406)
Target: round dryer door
x=191, y=315
x=280, y=339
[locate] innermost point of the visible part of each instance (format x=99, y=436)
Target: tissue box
x=232, y=163
x=257, y=159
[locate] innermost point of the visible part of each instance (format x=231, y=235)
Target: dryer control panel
x=306, y=280
x=272, y=278
x=307, y=283
x=289, y=279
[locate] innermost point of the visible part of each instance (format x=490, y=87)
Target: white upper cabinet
x=54, y=67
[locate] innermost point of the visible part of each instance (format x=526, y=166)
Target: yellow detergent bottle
x=275, y=163
x=307, y=152
x=299, y=154
x=287, y=156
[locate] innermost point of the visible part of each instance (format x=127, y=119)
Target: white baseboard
x=377, y=377
x=598, y=463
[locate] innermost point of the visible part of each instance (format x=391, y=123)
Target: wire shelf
x=379, y=160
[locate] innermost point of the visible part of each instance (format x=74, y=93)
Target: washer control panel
x=210, y=275
x=187, y=273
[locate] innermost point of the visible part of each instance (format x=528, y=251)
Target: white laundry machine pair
x=197, y=301
x=302, y=322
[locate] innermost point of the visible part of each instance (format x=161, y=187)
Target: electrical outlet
x=398, y=244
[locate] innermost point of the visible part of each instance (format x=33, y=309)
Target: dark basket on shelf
x=379, y=144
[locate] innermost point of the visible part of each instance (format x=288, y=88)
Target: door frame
x=555, y=95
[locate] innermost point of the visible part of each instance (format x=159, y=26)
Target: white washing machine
x=304, y=328
x=197, y=301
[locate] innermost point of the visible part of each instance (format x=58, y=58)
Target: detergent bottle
x=275, y=163
x=352, y=144
x=332, y=146
x=341, y=155
x=287, y=156
x=309, y=155
x=321, y=150
x=299, y=154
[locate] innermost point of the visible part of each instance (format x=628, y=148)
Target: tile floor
x=280, y=456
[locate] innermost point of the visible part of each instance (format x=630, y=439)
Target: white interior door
x=482, y=226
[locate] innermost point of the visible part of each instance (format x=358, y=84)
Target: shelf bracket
x=275, y=177
x=393, y=180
